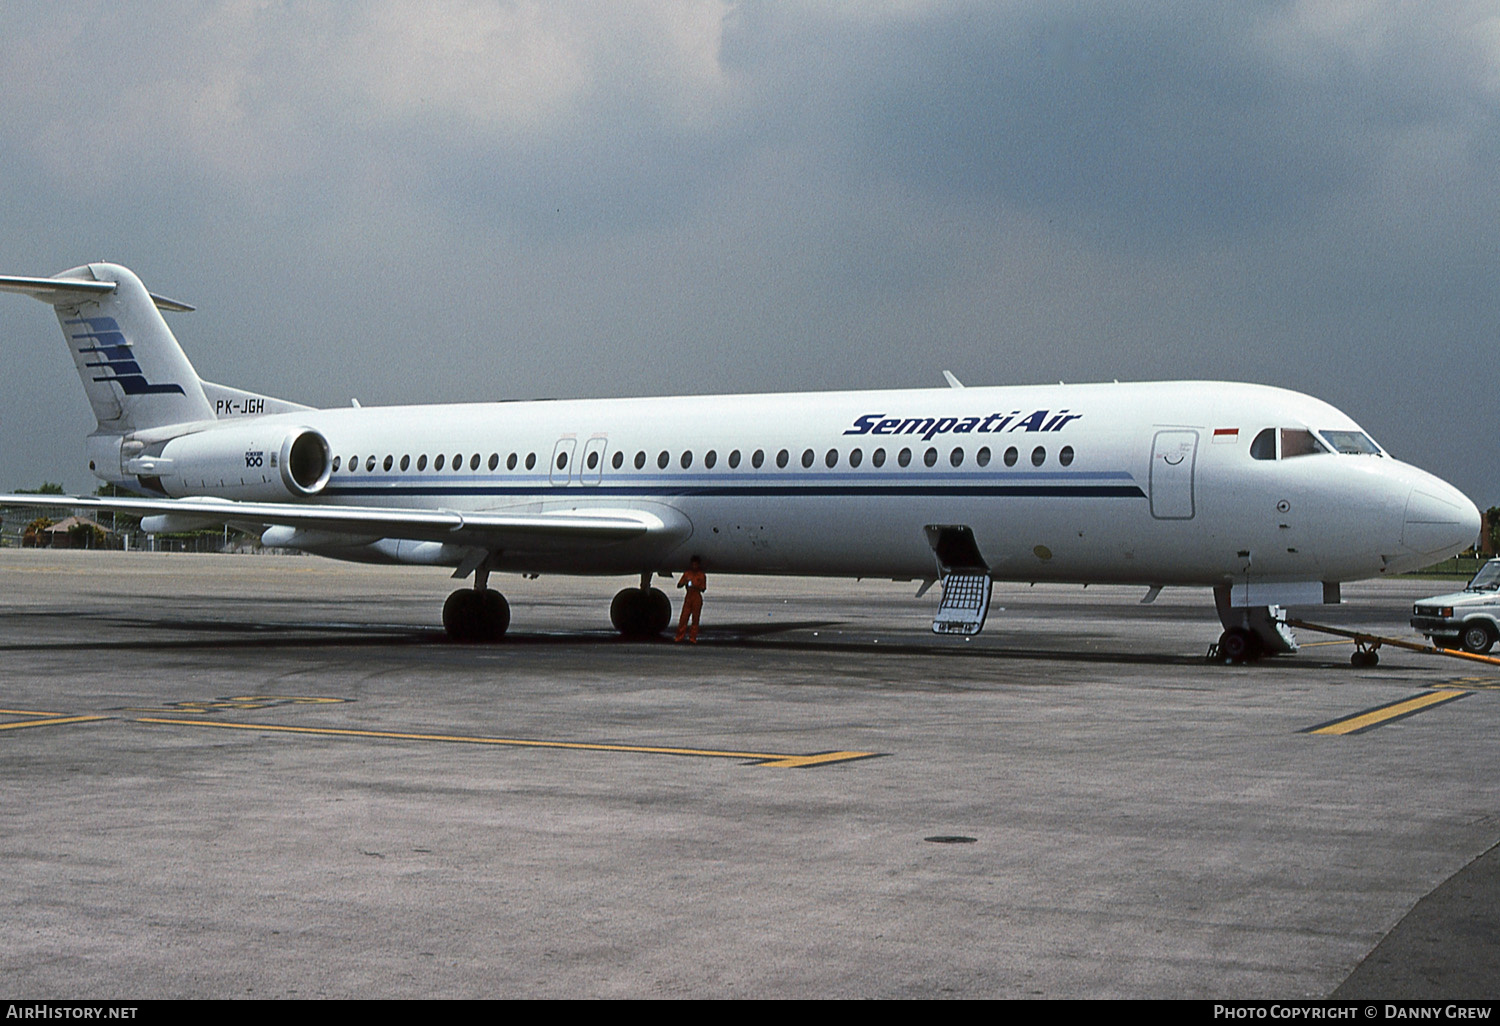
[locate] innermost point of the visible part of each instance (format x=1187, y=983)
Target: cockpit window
x=1351, y=442
x=1488, y=578
x=1264, y=446
x=1299, y=442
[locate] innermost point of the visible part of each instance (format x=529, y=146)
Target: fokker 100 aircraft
x=1268, y=497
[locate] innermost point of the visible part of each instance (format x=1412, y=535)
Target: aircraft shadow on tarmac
x=147, y=634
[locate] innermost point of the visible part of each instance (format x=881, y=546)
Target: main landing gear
x=476, y=614
x=481, y=614
x=641, y=612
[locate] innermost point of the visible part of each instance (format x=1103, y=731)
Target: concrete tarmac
x=230, y=776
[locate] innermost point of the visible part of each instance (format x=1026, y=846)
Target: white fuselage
x=1132, y=483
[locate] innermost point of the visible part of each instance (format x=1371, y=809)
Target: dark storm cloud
x=1172, y=119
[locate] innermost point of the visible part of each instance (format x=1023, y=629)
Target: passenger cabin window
x=437, y=464
x=1038, y=456
x=530, y=460
x=619, y=460
x=781, y=458
x=734, y=459
x=758, y=459
x=494, y=461
x=422, y=462
x=878, y=457
x=662, y=459
x=640, y=460
x=856, y=458
x=709, y=459
x=510, y=462
x=982, y=457
x=1065, y=457
x=1011, y=456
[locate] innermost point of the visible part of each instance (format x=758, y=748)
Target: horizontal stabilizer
x=63, y=291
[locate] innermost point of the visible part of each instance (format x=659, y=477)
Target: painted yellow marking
x=779, y=759
x=1471, y=683
x=53, y=722
x=1371, y=718
x=241, y=702
x=28, y=712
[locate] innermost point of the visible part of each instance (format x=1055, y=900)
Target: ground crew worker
x=692, y=606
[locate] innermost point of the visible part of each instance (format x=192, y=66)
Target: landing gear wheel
x=1237, y=646
x=474, y=615
x=659, y=611
x=1477, y=638
x=640, y=612
x=1365, y=658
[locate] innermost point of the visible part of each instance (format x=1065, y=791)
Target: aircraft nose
x=1440, y=520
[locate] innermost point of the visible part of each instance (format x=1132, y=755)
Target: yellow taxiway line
x=51, y=721
x=776, y=759
x=1383, y=714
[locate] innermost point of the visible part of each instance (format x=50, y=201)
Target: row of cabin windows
x=831, y=459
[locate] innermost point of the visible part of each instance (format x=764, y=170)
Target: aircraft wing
x=489, y=530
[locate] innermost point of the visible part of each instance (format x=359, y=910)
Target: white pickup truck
x=1469, y=619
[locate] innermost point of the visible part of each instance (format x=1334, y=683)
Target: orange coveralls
x=696, y=584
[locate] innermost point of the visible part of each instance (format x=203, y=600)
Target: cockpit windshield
x=1287, y=443
x=1351, y=442
x=1488, y=578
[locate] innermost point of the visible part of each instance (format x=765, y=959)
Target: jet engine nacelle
x=267, y=463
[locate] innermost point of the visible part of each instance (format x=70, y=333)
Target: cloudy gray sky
x=409, y=202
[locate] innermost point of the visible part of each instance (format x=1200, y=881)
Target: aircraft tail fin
x=135, y=374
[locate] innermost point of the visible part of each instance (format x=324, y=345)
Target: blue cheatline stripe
x=749, y=491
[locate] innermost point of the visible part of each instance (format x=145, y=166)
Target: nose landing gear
x=1237, y=645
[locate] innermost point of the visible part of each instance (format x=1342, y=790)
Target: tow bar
x=1367, y=646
